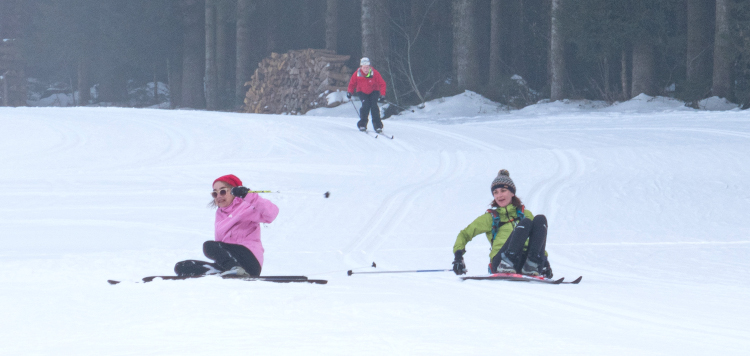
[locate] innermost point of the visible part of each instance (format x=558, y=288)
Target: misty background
x=201, y=53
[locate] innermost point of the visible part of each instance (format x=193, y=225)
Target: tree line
x=513, y=51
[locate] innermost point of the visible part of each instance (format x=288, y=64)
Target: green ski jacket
x=483, y=224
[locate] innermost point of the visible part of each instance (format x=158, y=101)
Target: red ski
x=515, y=277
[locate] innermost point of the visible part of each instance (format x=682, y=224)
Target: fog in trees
x=201, y=54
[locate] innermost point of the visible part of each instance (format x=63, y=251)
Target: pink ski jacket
x=239, y=223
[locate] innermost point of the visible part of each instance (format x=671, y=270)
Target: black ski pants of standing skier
x=224, y=255
x=535, y=231
x=369, y=104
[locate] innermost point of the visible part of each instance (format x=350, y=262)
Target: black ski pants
x=370, y=104
x=224, y=255
x=536, y=233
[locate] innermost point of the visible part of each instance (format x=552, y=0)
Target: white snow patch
x=716, y=103
x=545, y=107
x=472, y=107
x=650, y=209
x=336, y=97
x=465, y=105
x=643, y=103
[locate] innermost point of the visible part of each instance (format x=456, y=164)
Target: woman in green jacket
x=517, y=237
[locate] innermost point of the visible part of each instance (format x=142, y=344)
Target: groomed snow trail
x=649, y=206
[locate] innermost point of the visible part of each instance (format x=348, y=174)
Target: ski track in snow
x=397, y=207
x=647, y=207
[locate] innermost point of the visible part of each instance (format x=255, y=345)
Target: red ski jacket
x=366, y=82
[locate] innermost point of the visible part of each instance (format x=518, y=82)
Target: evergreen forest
x=516, y=52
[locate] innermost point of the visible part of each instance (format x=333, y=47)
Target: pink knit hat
x=230, y=179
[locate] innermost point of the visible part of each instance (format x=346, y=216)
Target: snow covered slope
x=648, y=203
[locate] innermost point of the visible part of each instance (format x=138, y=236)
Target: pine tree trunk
x=224, y=70
x=156, y=86
x=517, y=38
x=605, y=63
x=193, y=53
x=643, y=69
x=12, y=61
x=464, y=43
x=174, y=81
x=699, y=41
x=211, y=76
x=624, y=75
x=244, y=65
x=332, y=24
x=84, y=81
x=722, y=77
x=557, y=55
x=455, y=19
x=272, y=26
x=495, y=41
x=375, y=28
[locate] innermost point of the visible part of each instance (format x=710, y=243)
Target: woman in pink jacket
x=237, y=248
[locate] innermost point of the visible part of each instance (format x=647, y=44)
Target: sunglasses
x=222, y=192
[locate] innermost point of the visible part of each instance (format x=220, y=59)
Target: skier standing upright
x=367, y=83
x=517, y=237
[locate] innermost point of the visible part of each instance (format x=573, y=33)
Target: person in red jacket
x=367, y=83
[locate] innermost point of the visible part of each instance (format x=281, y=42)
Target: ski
x=519, y=278
x=386, y=136
x=276, y=279
x=370, y=133
x=575, y=281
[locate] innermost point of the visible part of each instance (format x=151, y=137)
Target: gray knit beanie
x=503, y=181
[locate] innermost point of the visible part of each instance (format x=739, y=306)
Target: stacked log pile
x=296, y=82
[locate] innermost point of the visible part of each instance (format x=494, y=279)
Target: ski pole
x=355, y=107
x=350, y=272
x=399, y=106
x=263, y=191
x=319, y=273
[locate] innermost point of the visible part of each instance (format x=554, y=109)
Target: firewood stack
x=296, y=82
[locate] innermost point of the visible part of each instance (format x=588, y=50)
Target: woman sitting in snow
x=518, y=239
x=237, y=249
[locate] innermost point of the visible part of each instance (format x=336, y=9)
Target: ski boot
x=362, y=128
x=530, y=268
x=505, y=266
x=379, y=130
x=236, y=271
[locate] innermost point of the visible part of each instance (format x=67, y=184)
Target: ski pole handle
x=350, y=272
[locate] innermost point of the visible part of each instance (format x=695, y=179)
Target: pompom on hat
x=230, y=179
x=364, y=61
x=503, y=181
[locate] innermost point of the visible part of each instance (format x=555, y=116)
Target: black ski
x=276, y=279
x=370, y=133
x=575, y=281
x=386, y=136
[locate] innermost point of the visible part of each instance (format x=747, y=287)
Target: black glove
x=381, y=99
x=348, y=95
x=546, y=270
x=240, y=191
x=459, y=267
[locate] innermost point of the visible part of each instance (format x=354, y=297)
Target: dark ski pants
x=224, y=255
x=370, y=104
x=536, y=233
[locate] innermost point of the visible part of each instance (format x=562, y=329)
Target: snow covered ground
x=646, y=199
